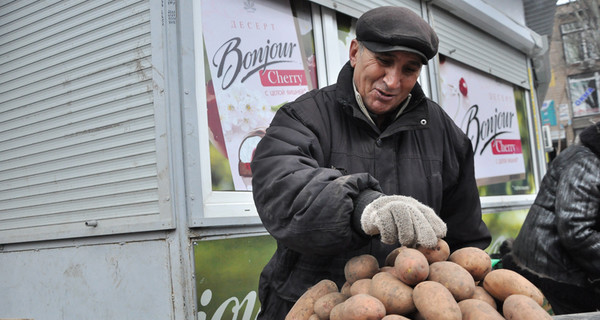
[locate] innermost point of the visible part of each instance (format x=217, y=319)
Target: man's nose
x=393, y=78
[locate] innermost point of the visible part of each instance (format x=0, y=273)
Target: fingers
x=403, y=219
x=387, y=228
x=367, y=220
x=424, y=233
x=437, y=224
x=413, y=226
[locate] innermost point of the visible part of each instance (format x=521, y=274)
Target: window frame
x=210, y=208
x=236, y=208
x=573, y=36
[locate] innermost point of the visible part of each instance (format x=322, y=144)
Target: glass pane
x=583, y=90
x=493, y=114
x=503, y=225
x=346, y=32
x=591, y=47
x=227, y=273
x=572, y=48
x=570, y=27
x=258, y=56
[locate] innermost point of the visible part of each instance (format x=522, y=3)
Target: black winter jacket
x=560, y=237
x=321, y=161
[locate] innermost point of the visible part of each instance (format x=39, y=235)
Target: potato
x=364, y=266
x=435, y=302
x=474, y=260
x=395, y=295
x=391, y=257
x=304, y=307
x=360, y=286
x=454, y=277
x=474, y=309
x=417, y=316
x=314, y=317
x=324, y=304
x=389, y=269
x=394, y=317
x=440, y=252
x=501, y=283
x=522, y=307
x=336, y=312
x=411, y=266
x=359, y=307
x=345, y=290
x=481, y=294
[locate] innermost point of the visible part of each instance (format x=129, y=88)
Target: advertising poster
x=256, y=64
x=226, y=275
x=485, y=109
x=584, y=94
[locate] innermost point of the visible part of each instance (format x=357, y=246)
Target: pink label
x=270, y=78
x=506, y=146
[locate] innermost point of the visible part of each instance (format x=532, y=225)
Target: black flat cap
x=391, y=28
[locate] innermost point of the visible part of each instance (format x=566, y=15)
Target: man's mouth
x=383, y=94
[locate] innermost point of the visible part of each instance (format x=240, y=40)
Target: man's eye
x=384, y=61
x=411, y=70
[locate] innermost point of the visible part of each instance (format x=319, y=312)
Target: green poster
x=503, y=225
x=227, y=272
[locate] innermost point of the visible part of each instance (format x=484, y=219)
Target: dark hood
x=590, y=137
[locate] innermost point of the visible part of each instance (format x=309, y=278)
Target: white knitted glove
x=403, y=219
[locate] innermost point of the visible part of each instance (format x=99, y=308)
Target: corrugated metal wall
x=77, y=119
x=355, y=8
x=458, y=40
x=467, y=44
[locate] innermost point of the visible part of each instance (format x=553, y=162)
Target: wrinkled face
x=384, y=79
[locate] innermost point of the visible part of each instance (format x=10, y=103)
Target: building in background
x=571, y=102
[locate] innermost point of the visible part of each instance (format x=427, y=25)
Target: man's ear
x=354, y=52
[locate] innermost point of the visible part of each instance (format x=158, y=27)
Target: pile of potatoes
x=423, y=283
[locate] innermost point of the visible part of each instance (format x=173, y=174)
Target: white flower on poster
x=243, y=111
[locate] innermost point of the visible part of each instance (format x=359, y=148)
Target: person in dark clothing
x=363, y=166
x=558, y=246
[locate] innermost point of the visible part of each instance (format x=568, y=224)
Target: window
x=254, y=68
x=239, y=107
x=578, y=43
x=583, y=90
x=256, y=56
x=493, y=114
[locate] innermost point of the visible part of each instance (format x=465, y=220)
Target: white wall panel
x=124, y=280
x=78, y=119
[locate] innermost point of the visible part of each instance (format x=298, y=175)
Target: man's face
x=384, y=79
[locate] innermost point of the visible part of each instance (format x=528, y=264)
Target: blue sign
x=584, y=96
x=548, y=113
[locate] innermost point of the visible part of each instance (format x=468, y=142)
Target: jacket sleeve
x=461, y=206
x=577, y=216
x=303, y=204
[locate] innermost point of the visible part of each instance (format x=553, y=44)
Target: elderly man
x=363, y=166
